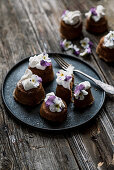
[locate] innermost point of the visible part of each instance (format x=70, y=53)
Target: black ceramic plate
x=30, y=115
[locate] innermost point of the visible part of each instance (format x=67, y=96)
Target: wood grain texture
x=25, y=26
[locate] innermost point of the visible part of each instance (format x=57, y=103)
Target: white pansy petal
x=52, y=108
x=76, y=48
x=84, y=53
x=87, y=39
x=84, y=92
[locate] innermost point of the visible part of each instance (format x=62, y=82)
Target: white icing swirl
x=71, y=17
x=56, y=105
x=99, y=13
x=35, y=61
x=61, y=75
x=29, y=80
x=109, y=40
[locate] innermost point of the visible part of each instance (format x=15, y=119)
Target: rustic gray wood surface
x=24, y=25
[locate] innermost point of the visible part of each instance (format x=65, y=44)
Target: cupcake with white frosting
x=105, y=48
x=96, y=21
x=29, y=90
x=41, y=65
x=71, y=25
x=65, y=81
x=82, y=95
x=53, y=108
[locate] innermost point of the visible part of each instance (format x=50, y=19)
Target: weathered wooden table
x=24, y=25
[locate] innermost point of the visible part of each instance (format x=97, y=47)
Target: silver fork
x=64, y=65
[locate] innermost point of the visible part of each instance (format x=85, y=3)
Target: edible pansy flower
x=66, y=45
x=76, y=50
x=80, y=92
x=64, y=78
x=87, y=45
x=86, y=52
x=35, y=80
x=96, y=13
x=54, y=103
x=61, y=74
x=85, y=42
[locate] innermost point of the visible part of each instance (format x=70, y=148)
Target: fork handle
x=106, y=87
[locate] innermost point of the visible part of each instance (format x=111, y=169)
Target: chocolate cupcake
x=105, y=48
x=53, y=108
x=65, y=81
x=96, y=21
x=29, y=90
x=82, y=95
x=71, y=25
x=41, y=65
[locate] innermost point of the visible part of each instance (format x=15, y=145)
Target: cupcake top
x=109, y=40
x=40, y=61
x=80, y=90
x=96, y=13
x=71, y=17
x=30, y=80
x=64, y=78
x=54, y=103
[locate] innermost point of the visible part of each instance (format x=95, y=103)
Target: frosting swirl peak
x=109, y=40
x=30, y=80
x=71, y=17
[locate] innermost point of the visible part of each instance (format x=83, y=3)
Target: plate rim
x=50, y=129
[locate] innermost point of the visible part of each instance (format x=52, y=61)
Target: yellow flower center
x=44, y=57
x=84, y=43
x=61, y=74
x=33, y=80
x=57, y=105
x=67, y=45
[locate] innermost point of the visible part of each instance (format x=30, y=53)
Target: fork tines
x=61, y=62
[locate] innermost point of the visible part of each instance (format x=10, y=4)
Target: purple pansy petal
x=48, y=64
x=67, y=78
x=76, y=52
x=44, y=63
x=50, y=100
x=89, y=50
x=62, y=45
x=63, y=12
x=76, y=89
x=90, y=44
x=39, y=79
x=79, y=88
x=93, y=11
